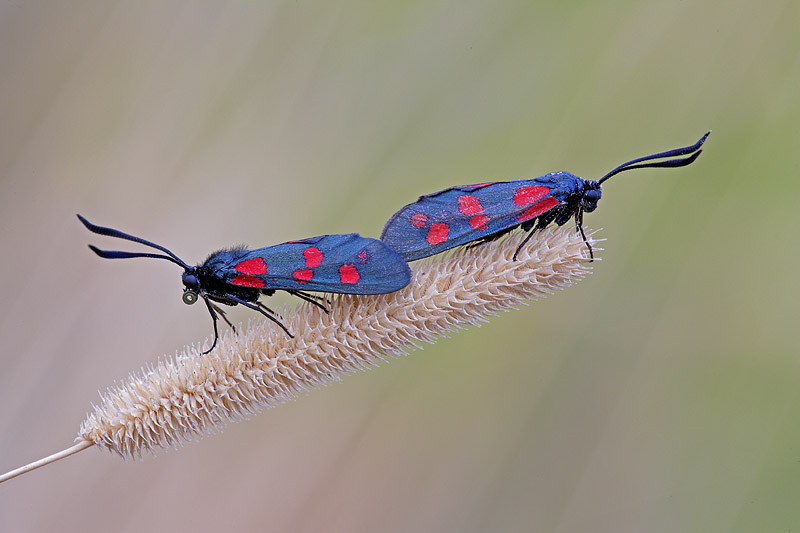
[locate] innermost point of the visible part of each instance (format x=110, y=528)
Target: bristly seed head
x=191, y=394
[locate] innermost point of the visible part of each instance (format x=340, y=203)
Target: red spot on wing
x=438, y=233
x=313, y=256
x=363, y=256
x=348, y=274
x=478, y=221
x=469, y=205
x=254, y=266
x=419, y=220
x=537, y=209
x=528, y=195
x=247, y=281
x=303, y=275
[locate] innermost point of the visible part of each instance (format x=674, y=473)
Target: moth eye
x=190, y=281
x=189, y=297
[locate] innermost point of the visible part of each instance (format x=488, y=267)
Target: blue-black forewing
x=460, y=215
x=348, y=264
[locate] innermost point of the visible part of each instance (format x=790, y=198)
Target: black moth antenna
x=190, y=296
x=639, y=162
x=110, y=232
x=670, y=163
x=585, y=200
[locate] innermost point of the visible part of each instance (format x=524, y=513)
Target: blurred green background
x=660, y=394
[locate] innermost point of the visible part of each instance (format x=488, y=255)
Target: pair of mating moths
x=352, y=264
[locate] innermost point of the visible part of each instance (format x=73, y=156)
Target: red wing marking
x=469, y=205
x=254, y=266
x=529, y=195
x=478, y=221
x=537, y=209
x=419, y=220
x=313, y=256
x=348, y=274
x=247, y=281
x=303, y=275
x=363, y=256
x=438, y=233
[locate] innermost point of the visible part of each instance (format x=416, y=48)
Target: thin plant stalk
x=191, y=394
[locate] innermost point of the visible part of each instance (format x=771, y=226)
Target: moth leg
x=524, y=241
x=310, y=298
x=540, y=222
x=265, y=308
x=221, y=312
x=487, y=238
x=214, y=318
x=261, y=308
x=579, y=225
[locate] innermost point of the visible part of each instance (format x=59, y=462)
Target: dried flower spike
x=188, y=395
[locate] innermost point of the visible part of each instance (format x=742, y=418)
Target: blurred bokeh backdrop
x=660, y=394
